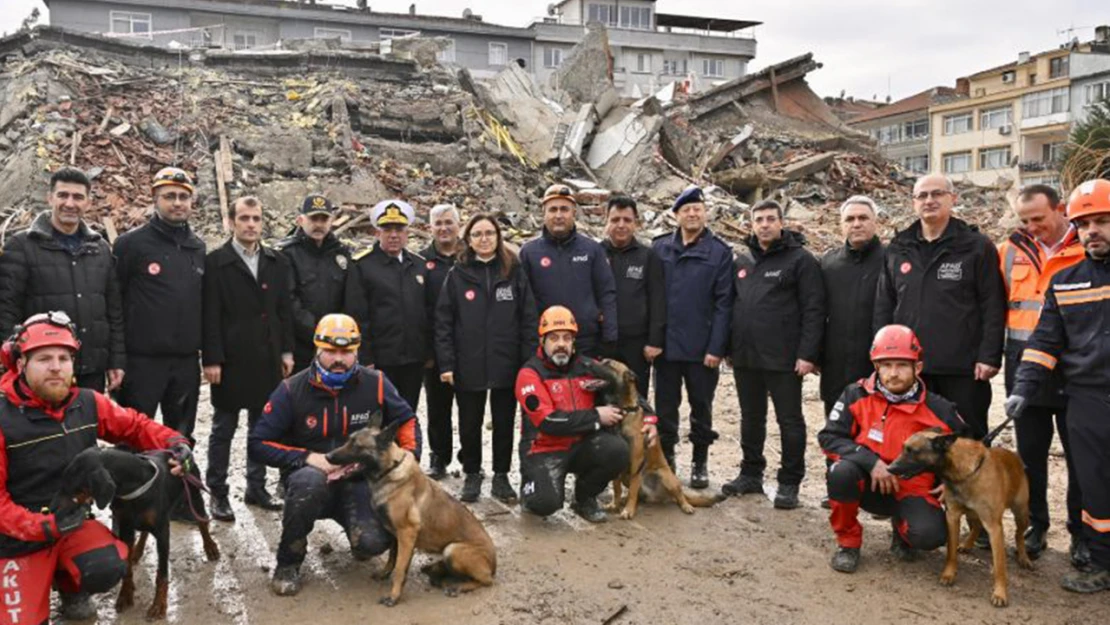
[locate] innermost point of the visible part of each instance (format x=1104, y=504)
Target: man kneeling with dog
x=310, y=414
x=865, y=432
x=564, y=432
x=45, y=422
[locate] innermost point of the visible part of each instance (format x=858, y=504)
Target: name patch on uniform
x=504, y=294
x=953, y=272
x=341, y=260
x=773, y=274
x=360, y=418
x=531, y=388
x=581, y=259
x=635, y=272
x=875, y=434
x=835, y=414
x=1075, y=286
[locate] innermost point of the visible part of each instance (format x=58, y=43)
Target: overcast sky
x=868, y=47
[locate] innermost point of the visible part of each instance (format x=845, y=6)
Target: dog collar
x=967, y=477
x=140, y=491
x=389, y=470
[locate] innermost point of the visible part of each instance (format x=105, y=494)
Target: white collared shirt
x=250, y=259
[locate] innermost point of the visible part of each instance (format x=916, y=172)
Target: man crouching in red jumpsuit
x=865, y=432
x=45, y=421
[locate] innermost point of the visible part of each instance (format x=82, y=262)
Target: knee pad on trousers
x=101, y=569
x=844, y=481
x=371, y=543
x=613, y=453
x=542, y=505
x=306, y=480
x=926, y=537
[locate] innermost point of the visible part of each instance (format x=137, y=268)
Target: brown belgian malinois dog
x=648, y=471
x=420, y=514
x=980, y=482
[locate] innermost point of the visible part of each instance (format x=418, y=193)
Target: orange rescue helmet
x=337, y=331
x=1090, y=198
x=557, y=318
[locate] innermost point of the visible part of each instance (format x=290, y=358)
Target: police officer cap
x=392, y=213
x=689, y=196
x=316, y=204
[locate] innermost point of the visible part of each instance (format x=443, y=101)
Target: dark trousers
x=472, y=411
x=1034, y=439
x=171, y=382
x=701, y=385
x=439, y=396
x=972, y=398
x=310, y=497
x=407, y=379
x=595, y=461
x=918, y=519
x=94, y=381
x=785, y=389
x=224, y=424
x=1089, y=436
x=630, y=351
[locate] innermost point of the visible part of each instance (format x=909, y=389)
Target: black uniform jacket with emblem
x=641, y=292
x=388, y=299
x=319, y=283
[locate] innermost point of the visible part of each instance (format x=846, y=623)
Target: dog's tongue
x=345, y=472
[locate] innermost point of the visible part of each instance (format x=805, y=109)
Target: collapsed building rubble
x=365, y=124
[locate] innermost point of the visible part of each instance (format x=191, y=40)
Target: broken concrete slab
x=512, y=97
x=679, y=146
x=570, y=155
x=729, y=147
x=620, y=152
x=280, y=150
x=587, y=73
x=807, y=166
x=442, y=159
x=742, y=180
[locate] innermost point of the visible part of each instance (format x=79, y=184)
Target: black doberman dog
x=142, y=493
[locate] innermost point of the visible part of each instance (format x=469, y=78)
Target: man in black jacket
x=941, y=277
x=248, y=344
x=439, y=258
x=777, y=322
x=161, y=272
x=319, y=262
x=387, y=295
x=641, y=291
x=850, y=274
x=59, y=263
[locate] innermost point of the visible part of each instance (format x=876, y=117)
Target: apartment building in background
x=650, y=49
x=902, y=129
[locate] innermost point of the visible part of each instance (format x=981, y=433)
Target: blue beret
x=689, y=196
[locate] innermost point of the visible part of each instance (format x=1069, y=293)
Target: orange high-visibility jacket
x=1028, y=272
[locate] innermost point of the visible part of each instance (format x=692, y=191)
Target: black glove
x=71, y=519
x=1015, y=405
x=183, y=454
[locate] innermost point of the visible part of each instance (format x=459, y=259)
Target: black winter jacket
x=641, y=292
x=850, y=277
x=319, y=282
x=437, y=265
x=161, y=278
x=779, y=312
x=485, y=325
x=389, y=300
x=38, y=274
x=951, y=293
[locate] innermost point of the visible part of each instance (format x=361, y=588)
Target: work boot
x=437, y=470
x=77, y=606
x=699, y=476
x=501, y=489
x=743, y=485
x=1036, y=541
x=589, y=510
x=221, y=509
x=1079, y=552
x=845, y=560
x=900, y=549
x=1094, y=578
x=787, y=497
x=984, y=540
x=472, y=488
x=286, y=581
x=260, y=498
x=825, y=503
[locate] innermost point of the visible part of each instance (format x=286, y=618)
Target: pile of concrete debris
x=362, y=125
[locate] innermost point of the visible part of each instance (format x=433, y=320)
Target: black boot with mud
x=845, y=560
x=437, y=469
x=589, y=509
x=1079, y=553
x=787, y=497
x=743, y=485
x=286, y=581
x=1092, y=579
x=221, y=509
x=77, y=606
x=501, y=489
x=472, y=488
x=900, y=549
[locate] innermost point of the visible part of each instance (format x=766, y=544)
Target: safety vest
x=1028, y=272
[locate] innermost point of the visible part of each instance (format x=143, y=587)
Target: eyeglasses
x=487, y=234
x=935, y=194
x=176, y=197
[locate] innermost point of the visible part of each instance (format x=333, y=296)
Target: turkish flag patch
x=268, y=408
x=470, y=295
x=310, y=421
x=545, y=262
x=743, y=273
x=905, y=268
x=154, y=269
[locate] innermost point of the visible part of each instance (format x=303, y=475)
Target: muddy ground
x=741, y=562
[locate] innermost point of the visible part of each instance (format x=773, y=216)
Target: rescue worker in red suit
x=864, y=434
x=45, y=421
x=564, y=431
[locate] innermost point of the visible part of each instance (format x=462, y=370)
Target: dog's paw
x=965, y=548
x=999, y=599
x=451, y=591
x=627, y=514
x=388, y=601
x=157, y=611
x=1025, y=562
x=212, y=552
x=947, y=579
x=125, y=600
x=687, y=508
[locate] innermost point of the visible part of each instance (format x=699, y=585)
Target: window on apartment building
x=1042, y=103
x=604, y=13
x=916, y=129
x=916, y=164
x=638, y=18
x=1051, y=180
x=994, y=158
x=1052, y=152
x=332, y=33
x=395, y=33
x=890, y=134
x=128, y=23
x=957, y=162
x=643, y=63
x=1058, y=67
x=498, y=54
x=1096, y=93
x=996, y=117
x=675, y=67
x=244, y=41
x=958, y=123
x=713, y=68
x=447, y=55
x=552, y=57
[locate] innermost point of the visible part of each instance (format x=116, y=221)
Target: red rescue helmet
x=50, y=329
x=895, y=342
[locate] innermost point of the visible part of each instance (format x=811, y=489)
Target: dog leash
x=989, y=438
x=187, y=477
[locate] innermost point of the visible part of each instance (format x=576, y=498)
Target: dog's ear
x=101, y=487
x=595, y=384
x=941, y=444
x=375, y=420
x=389, y=434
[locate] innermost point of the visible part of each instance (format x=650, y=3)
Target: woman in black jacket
x=485, y=329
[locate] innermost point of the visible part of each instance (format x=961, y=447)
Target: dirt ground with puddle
x=740, y=562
